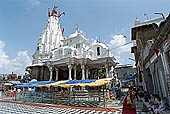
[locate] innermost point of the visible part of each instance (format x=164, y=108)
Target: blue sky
x=21, y=23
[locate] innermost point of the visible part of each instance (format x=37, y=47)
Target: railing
x=80, y=98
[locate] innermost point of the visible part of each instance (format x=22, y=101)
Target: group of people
x=115, y=92
x=156, y=104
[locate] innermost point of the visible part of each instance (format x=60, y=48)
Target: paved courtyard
x=15, y=108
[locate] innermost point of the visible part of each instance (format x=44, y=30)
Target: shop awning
x=131, y=78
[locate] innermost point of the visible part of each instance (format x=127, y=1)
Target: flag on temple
x=64, y=13
x=62, y=30
x=156, y=51
x=48, y=12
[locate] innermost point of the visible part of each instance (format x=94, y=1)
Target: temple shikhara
x=60, y=58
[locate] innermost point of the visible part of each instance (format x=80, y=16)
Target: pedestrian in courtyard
x=133, y=106
x=74, y=92
x=129, y=100
x=13, y=94
x=62, y=93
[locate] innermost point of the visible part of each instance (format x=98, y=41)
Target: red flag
x=48, y=12
x=64, y=13
x=59, y=15
x=156, y=51
x=62, y=30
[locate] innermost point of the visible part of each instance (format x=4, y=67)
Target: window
x=38, y=48
x=77, y=45
x=69, y=51
x=60, y=52
x=98, y=51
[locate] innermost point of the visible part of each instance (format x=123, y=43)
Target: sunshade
x=131, y=78
x=34, y=84
x=52, y=84
x=99, y=82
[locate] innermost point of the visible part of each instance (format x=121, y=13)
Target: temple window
x=77, y=45
x=38, y=48
x=69, y=52
x=98, y=51
x=60, y=52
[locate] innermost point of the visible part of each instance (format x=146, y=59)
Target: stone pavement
x=11, y=107
x=141, y=108
x=8, y=106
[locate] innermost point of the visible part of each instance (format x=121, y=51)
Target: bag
x=129, y=102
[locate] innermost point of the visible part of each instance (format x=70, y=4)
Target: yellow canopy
x=99, y=82
x=55, y=84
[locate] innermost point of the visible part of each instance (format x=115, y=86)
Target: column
x=56, y=70
x=51, y=72
x=75, y=73
x=69, y=67
x=83, y=72
x=107, y=71
x=87, y=73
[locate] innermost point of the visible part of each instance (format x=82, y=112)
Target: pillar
x=83, y=72
x=75, y=73
x=107, y=71
x=51, y=72
x=69, y=67
x=87, y=73
x=56, y=70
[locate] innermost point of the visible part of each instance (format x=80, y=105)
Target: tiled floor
x=13, y=108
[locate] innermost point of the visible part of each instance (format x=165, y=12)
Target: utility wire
x=121, y=45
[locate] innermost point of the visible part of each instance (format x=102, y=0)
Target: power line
x=121, y=45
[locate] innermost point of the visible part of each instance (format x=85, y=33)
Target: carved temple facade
x=59, y=58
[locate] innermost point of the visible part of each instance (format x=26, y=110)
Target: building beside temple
x=123, y=72
x=152, y=55
x=59, y=58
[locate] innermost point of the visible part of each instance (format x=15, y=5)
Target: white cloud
x=32, y=4
x=119, y=50
x=16, y=65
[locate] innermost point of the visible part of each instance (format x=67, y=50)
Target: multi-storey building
x=152, y=54
x=123, y=72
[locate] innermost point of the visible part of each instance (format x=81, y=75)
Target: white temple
x=59, y=58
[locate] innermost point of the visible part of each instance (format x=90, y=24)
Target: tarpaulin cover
x=34, y=84
x=71, y=83
x=99, y=82
x=75, y=83
x=55, y=84
x=131, y=78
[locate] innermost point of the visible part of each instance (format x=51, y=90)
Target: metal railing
x=79, y=98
